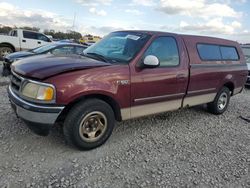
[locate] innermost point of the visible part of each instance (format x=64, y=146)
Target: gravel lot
x=185, y=148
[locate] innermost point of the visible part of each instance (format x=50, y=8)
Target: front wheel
x=4, y=50
x=220, y=103
x=89, y=124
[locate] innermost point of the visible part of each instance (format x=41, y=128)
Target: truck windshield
x=246, y=52
x=118, y=46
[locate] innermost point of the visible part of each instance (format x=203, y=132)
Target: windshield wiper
x=99, y=56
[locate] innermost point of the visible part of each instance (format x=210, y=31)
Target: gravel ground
x=186, y=148
x=1, y=68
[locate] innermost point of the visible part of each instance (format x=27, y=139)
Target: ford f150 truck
x=128, y=74
x=19, y=39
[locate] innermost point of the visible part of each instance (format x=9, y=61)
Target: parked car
x=146, y=73
x=19, y=39
x=53, y=48
x=89, y=39
x=246, y=52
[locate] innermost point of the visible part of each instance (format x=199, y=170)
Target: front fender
x=96, y=81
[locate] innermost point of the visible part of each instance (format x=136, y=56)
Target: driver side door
x=160, y=89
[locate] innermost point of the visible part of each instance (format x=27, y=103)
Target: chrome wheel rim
x=93, y=126
x=222, y=101
x=5, y=52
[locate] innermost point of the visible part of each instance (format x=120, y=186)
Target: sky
x=219, y=18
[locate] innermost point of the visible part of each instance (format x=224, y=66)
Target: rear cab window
x=229, y=53
x=209, y=52
x=214, y=52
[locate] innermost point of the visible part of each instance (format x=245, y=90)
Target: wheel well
x=230, y=86
x=8, y=45
x=114, y=105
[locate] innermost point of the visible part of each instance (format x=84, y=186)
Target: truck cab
x=128, y=74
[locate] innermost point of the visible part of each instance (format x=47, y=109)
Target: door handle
x=23, y=40
x=181, y=76
x=39, y=42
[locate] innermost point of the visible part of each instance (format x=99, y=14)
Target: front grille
x=15, y=82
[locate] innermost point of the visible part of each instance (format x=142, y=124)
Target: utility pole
x=73, y=26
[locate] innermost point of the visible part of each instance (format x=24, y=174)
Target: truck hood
x=44, y=66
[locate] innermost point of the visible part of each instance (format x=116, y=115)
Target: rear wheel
x=89, y=124
x=220, y=103
x=5, y=50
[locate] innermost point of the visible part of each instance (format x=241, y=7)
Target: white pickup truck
x=19, y=39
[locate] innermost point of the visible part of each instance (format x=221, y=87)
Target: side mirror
x=151, y=61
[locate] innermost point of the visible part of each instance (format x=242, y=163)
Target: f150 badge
x=122, y=82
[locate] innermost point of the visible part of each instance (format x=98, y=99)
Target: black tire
x=217, y=107
x=75, y=117
x=5, y=50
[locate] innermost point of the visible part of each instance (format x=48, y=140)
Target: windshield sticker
x=133, y=37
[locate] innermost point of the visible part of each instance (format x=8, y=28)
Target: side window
x=64, y=50
x=13, y=33
x=213, y=52
x=29, y=35
x=229, y=53
x=79, y=50
x=209, y=52
x=42, y=37
x=166, y=50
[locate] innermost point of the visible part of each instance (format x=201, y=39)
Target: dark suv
x=53, y=48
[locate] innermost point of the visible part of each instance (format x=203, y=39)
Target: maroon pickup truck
x=126, y=75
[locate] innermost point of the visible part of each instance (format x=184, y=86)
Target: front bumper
x=6, y=63
x=36, y=116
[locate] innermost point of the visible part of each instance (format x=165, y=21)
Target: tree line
x=55, y=34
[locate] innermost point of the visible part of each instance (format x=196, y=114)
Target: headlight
x=38, y=91
x=17, y=59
